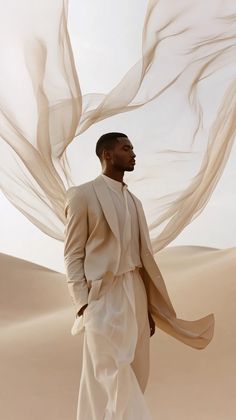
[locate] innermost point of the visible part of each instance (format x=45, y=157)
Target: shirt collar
x=113, y=184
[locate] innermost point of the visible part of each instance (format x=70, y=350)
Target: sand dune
x=41, y=360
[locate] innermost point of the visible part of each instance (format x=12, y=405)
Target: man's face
x=123, y=156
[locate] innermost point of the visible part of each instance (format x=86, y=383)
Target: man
x=117, y=289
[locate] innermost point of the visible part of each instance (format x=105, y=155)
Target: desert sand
x=40, y=360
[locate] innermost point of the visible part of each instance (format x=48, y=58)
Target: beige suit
x=92, y=250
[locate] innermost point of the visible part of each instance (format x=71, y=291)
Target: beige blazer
x=92, y=252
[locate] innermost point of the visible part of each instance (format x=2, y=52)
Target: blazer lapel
x=144, y=233
x=109, y=211
x=107, y=205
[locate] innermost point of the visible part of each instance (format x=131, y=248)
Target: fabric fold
x=188, y=51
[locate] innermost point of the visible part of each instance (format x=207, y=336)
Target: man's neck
x=117, y=176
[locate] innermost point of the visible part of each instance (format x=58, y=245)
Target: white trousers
x=116, y=353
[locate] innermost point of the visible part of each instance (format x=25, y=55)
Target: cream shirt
x=130, y=251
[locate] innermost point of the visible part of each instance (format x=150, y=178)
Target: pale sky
x=215, y=227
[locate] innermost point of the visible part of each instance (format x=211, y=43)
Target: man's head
x=115, y=151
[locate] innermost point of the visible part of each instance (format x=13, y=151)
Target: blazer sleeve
x=76, y=235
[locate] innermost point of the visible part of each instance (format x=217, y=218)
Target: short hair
x=107, y=141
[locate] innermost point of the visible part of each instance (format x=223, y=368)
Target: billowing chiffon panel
x=186, y=58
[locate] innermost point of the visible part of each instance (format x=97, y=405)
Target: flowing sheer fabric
x=188, y=50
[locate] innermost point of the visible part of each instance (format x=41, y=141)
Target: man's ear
x=106, y=154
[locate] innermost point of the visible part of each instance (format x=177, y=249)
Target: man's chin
x=129, y=168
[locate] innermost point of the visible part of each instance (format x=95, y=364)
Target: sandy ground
x=40, y=360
